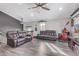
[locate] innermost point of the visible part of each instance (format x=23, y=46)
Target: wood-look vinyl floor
x=34, y=48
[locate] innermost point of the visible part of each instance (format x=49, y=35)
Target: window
x=42, y=26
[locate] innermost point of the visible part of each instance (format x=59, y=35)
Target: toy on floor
x=64, y=35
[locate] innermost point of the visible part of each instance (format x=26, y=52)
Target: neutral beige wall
x=57, y=25
x=33, y=26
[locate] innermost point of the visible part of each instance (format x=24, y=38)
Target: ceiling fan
x=40, y=5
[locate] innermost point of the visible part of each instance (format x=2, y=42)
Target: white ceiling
x=19, y=11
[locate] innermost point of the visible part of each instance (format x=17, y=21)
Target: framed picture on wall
x=72, y=22
x=35, y=27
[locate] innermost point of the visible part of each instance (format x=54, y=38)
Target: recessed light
x=60, y=8
x=32, y=14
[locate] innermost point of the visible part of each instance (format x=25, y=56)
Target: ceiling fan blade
x=45, y=8
x=36, y=4
x=33, y=7
x=42, y=4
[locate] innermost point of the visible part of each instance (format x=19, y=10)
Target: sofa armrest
x=12, y=42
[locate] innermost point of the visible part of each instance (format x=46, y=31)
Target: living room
x=21, y=28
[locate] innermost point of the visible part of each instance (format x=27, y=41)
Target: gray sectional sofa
x=15, y=38
x=47, y=35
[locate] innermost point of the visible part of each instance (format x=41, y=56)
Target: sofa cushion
x=11, y=36
x=20, y=39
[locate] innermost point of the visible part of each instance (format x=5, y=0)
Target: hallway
x=34, y=48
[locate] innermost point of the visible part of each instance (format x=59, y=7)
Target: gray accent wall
x=8, y=23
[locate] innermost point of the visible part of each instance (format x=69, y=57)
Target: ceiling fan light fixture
x=40, y=5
